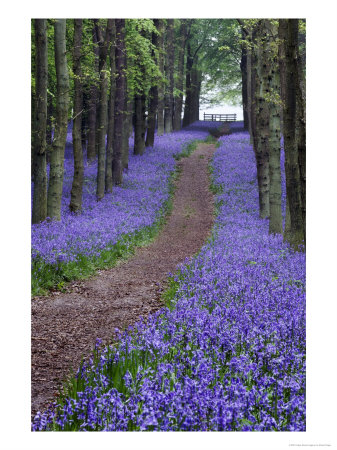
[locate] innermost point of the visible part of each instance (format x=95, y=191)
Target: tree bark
x=195, y=91
x=289, y=28
x=103, y=42
x=169, y=71
x=188, y=99
x=161, y=88
x=39, y=210
x=275, y=193
x=139, y=144
x=57, y=154
x=77, y=186
x=301, y=136
x=178, y=104
x=91, y=149
x=117, y=163
x=111, y=114
x=127, y=131
x=262, y=122
x=153, y=97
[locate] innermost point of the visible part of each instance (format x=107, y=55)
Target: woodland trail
x=65, y=325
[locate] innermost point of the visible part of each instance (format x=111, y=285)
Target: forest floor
x=65, y=326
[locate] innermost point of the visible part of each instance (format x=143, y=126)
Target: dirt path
x=65, y=326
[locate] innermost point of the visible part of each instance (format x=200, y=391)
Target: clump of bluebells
x=61, y=246
x=228, y=353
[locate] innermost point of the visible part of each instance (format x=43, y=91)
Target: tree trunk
x=178, y=106
x=84, y=124
x=195, y=91
x=262, y=122
x=275, y=218
x=111, y=114
x=127, y=130
x=161, y=86
x=62, y=101
x=153, y=98
x=117, y=165
x=91, y=149
x=103, y=42
x=301, y=137
x=77, y=186
x=253, y=83
x=289, y=29
x=188, y=99
x=169, y=71
x=39, y=210
x=139, y=145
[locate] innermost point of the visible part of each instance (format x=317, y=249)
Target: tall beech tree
x=91, y=147
x=153, y=93
x=262, y=118
x=289, y=40
x=178, y=103
x=274, y=102
x=169, y=71
x=111, y=112
x=161, y=84
x=104, y=40
x=77, y=186
x=301, y=125
x=39, y=210
x=140, y=123
x=117, y=163
x=62, y=102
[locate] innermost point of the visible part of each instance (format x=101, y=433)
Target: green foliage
x=220, y=62
x=142, y=71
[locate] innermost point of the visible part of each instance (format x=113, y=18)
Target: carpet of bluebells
x=136, y=204
x=228, y=353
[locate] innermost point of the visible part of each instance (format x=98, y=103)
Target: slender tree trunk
x=183, y=33
x=111, y=114
x=169, y=70
x=57, y=154
x=139, y=145
x=117, y=163
x=39, y=210
x=128, y=129
x=91, y=149
x=84, y=122
x=296, y=234
x=153, y=98
x=253, y=86
x=195, y=92
x=161, y=86
x=262, y=123
x=281, y=53
x=188, y=99
x=104, y=42
x=77, y=186
x=275, y=219
x=301, y=137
